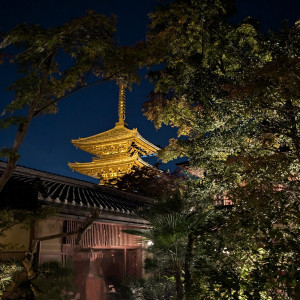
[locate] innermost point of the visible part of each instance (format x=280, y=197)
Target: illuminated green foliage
x=233, y=93
x=7, y=272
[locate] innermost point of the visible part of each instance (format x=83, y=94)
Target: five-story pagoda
x=116, y=151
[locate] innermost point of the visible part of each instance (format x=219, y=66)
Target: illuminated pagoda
x=116, y=151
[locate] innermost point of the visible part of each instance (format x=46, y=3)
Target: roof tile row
x=71, y=192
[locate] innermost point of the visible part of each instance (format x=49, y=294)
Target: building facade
x=87, y=228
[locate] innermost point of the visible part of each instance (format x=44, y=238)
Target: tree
x=57, y=62
x=234, y=92
x=182, y=226
x=170, y=233
x=149, y=182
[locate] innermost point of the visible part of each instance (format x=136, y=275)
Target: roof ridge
x=45, y=175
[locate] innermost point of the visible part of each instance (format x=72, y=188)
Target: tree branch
x=72, y=92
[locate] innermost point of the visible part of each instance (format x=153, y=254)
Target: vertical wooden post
x=125, y=263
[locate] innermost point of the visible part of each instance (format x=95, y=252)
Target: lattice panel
x=101, y=235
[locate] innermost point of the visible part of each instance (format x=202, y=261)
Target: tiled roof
x=71, y=193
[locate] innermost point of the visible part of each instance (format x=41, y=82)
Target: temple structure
x=103, y=258
x=116, y=151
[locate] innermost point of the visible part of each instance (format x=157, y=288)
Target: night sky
x=47, y=145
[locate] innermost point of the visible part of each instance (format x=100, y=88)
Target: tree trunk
x=188, y=264
x=13, y=158
x=179, y=285
x=28, y=265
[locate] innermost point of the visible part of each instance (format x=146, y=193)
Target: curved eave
x=121, y=133
x=98, y=164
x=118, y=134
x=96, y=148
x=116, y=140
x=144, y=163
x=138, y=135
x=92, y=168
x=148, y=147
x=106, y=164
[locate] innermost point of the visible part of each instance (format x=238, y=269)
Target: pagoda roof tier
x=110, y=168
x=117, y=140
x=117, y=150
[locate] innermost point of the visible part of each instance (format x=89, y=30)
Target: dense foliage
x=7, y=272
x=55, y=281
x=233, y=92
x=148, y=182
x=51, y=281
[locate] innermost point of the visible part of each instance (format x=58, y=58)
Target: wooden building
x=105, y=254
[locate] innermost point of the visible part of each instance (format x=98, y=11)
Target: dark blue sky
x=48, y=145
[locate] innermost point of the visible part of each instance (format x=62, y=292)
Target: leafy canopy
x=233, y=92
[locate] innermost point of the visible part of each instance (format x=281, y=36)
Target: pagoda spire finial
x=122, y=100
